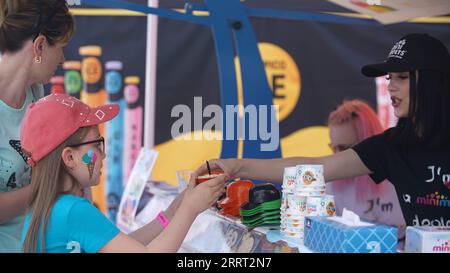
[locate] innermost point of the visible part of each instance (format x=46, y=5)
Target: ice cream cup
x=313, y=205
x=294, y=224
x=206, y=177
x=294, y=235
x=294, y=229
x=299, y=203
x=296, y=219
x=311, y=193
x=309, y=188
x=289, y=178
x=291, y=201
x=327, y=206
x=309, y=175
x=292, y=214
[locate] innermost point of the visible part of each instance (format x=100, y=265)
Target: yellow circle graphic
x=283, y=77
x=91, y=70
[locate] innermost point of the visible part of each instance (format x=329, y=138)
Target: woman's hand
x=230, y=167
x=200, y=197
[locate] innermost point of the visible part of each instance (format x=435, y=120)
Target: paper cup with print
x=293, y=214
x=289, y=179
x=292, y=217
x=313, y=205
x=309, y=175
x=293, y=235
x=296, y=225
x=312, y=193
x=327, y=206
x=294, y=229
x=299, y=204
x=284, y=201
x=304, y=188
x=293, y=222
x=291, y=202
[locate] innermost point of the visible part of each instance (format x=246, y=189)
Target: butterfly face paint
x=89, y=159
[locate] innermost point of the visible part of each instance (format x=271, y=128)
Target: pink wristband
x=163, y=220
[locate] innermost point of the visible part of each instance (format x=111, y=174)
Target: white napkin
x=350, y=218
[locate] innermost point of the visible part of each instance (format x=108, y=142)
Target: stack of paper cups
x=305, y=196
x=292, y=221
x=309, y=180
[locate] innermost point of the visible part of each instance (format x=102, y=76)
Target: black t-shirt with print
x=421, y=177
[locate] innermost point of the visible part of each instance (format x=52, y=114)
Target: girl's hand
x=170, y=211
x=230, y=167
x=200, y=197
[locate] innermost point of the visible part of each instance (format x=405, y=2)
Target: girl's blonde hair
x=21, y=20
x=46, y=186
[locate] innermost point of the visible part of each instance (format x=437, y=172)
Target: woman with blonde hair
x=33, y=34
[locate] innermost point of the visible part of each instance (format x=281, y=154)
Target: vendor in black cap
x=414, y=156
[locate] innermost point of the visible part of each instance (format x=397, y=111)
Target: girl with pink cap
x=61, y=141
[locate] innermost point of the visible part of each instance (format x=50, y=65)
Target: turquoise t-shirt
x=14, y=172
x=75, y=226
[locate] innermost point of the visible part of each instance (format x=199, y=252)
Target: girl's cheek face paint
x=89, y=159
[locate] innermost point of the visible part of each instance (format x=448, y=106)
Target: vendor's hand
x=229, y=167
x=203, y=196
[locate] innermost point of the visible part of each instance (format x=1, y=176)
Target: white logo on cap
x=100, y=114
x=67, y=103
x=396, y=51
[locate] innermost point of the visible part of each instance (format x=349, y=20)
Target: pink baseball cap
x=54, y=118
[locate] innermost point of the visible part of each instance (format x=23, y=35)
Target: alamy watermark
x=260, y=120
x=74, y=2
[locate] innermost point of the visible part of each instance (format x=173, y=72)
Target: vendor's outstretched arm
x=341, y=165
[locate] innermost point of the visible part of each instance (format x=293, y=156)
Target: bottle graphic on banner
x=72, y=78
x=57, y=83
x=114, y=143
x=93, y=94
x=133, y=125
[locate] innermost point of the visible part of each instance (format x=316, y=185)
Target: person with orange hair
x=352, y=122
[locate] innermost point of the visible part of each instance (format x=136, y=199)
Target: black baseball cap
x=413, y=51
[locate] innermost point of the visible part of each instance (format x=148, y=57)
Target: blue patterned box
x=328, y=236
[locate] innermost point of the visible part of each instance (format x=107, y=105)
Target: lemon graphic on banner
x=283, y=76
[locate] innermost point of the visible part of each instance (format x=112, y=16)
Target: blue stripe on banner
x=166, y=13
x=309, y=16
